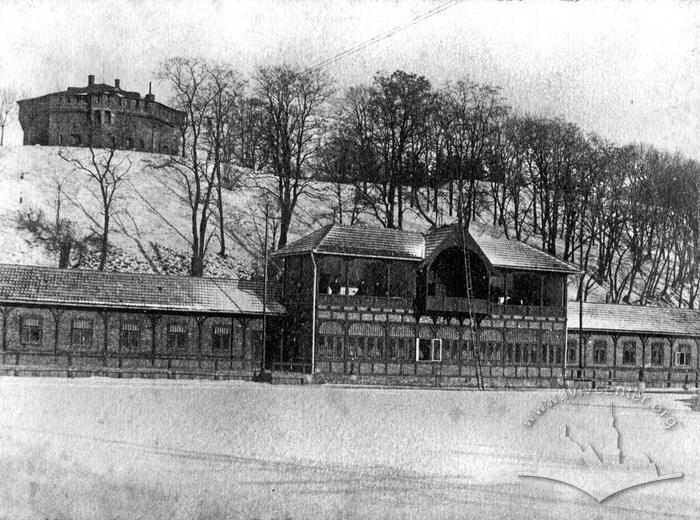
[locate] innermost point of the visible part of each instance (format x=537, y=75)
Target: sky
x=628, y=71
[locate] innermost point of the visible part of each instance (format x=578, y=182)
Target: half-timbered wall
x=63, y=337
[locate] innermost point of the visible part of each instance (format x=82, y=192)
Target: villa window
x=600, y=352
x=629, y=353
x=429, y=349
x=129, y=335
x=682, y=356
x=81, y=333
x=98, y=117
x=30, y=330
x=571, y=351
x=177, y=336
x=108, y=117
x=657, y=353
x=221, y=338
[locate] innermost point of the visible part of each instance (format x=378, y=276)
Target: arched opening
x=447, y=275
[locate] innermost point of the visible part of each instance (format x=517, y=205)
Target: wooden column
x=230, y=344
x=154, y=318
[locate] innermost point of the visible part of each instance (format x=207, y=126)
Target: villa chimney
x=116, y=83
x=150, y=96
x=91, y=80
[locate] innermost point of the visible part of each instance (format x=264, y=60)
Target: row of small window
x=82, y=332
x=657, y=356
x=102, y=100
x=437, y=349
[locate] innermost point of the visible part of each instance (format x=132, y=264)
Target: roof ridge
x=323, y=234
x=116, y=273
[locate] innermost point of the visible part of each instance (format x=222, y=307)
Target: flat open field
x=99, y=448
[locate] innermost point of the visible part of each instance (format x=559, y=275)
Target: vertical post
x=313, y=314
x=264, y=316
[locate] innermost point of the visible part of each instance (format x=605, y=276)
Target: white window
x=429, y=349
x=683, y=356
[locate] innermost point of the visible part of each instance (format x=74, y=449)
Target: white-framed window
x=429, y=349
x=682, y=356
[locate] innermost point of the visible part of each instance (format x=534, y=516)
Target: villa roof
x=607, y=317
x=133, y=291
x=499, y=251
x=360, y=241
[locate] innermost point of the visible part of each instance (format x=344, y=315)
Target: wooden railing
x=455, y=305
x=391, y=302
x=460, y=305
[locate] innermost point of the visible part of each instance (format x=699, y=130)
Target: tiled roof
x=500, y=251
x=305, y=244
x=634, y=318
x=360, y=241
x=27, y=284
x=395, y=243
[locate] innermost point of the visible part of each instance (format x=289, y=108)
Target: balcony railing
x=457, y=305
x=392, y=302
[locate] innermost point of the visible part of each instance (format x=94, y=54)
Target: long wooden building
x=353, y=305
x=91, y=322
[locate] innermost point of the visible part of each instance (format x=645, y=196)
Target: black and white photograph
x=352, y=259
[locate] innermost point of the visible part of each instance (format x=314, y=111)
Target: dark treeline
x=627, y=214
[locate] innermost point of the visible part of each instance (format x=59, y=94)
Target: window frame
x=600, y=346
x=657, y=347
x=184, y=335
x=433, y=358
x=39, y=327
x=82, y=341
x=126, y=335
x=682, y=350
x=216, y=344
x=629, y=347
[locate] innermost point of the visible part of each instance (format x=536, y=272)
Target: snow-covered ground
x=99, y=448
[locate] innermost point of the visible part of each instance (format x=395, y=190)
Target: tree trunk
x=105, y=241
x=222, y=234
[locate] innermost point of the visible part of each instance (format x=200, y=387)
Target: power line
x=387, y=34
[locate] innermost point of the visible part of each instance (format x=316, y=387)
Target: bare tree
x=293, y=101
x=8, y=107
x=205, y=92
x=224, y=87
x=107, y=169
